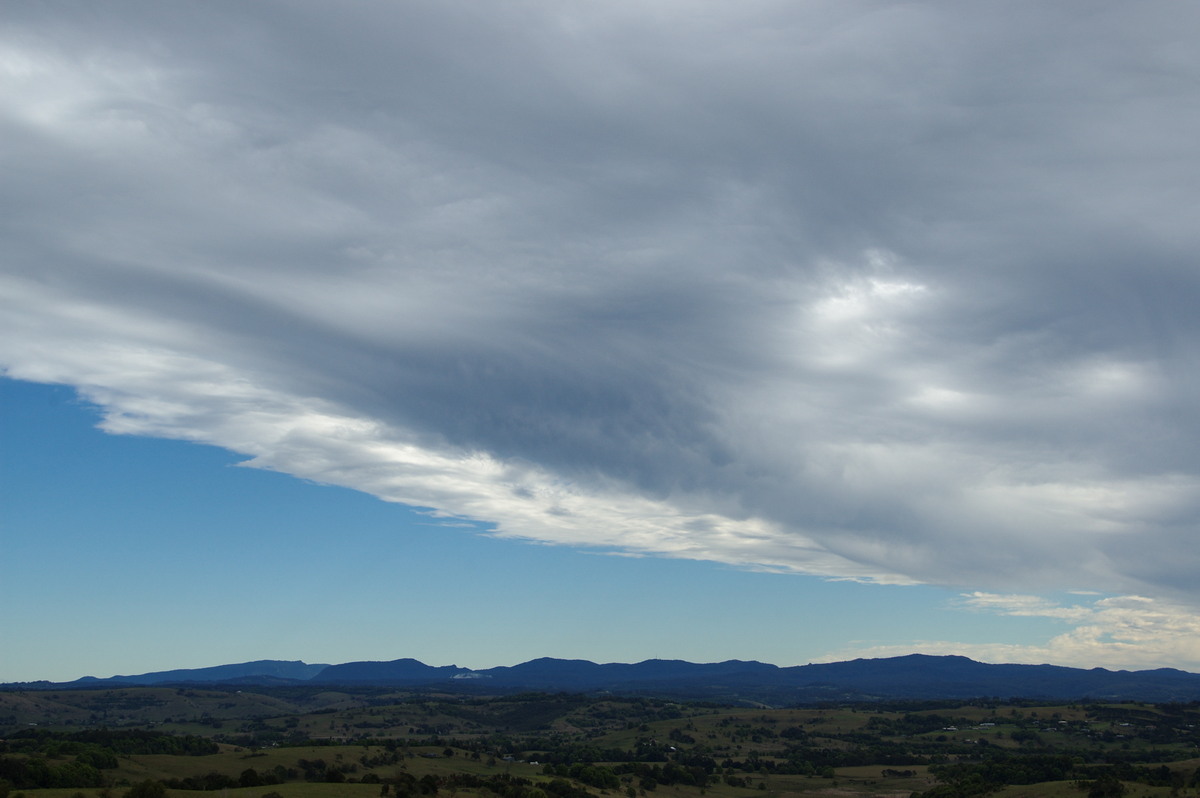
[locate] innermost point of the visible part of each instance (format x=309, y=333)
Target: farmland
x=309, y=742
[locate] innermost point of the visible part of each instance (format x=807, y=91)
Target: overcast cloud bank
x=890, y=292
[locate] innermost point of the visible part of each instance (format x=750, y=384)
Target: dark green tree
x=147, y=789
x=1107, y=786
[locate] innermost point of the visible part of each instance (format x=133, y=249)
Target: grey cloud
x=851, y=288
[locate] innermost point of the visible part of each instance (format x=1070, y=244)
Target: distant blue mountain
x=276, y=669
x=916, y=676
x=397, y=672
x=920, y=676
x=576, y=674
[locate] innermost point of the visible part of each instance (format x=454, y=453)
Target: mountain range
x=915, y=676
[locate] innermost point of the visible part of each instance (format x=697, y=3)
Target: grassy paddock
x=743, y=743
x=233, y=762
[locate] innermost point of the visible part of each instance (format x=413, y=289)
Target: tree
x=147, y=789
x=1107, y=786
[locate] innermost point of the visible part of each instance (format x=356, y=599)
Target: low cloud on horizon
x=896, y=293
x=1122, y=632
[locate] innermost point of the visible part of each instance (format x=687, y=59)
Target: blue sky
x=776, y=331
x=140, y=554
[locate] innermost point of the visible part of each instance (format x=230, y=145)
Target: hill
x=916, y=676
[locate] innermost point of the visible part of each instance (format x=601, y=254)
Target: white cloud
x=1117, y=632
x=885, y=293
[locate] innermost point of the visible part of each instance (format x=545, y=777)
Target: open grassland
x=298, y=743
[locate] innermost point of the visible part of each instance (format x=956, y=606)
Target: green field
x=297, y=743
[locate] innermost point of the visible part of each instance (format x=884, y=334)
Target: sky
x=476, y=333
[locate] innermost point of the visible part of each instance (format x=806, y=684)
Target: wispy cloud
x=899, y=293
x=1025, y=606
x=1128, y=632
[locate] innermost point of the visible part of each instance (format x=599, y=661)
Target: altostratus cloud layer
x=902, y=292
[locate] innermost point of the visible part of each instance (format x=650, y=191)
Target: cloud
x=895, y=293
x=1027, y=606
x=1118, y=632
